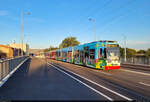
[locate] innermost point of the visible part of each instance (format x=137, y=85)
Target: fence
x=137, y=60
x=6, y=66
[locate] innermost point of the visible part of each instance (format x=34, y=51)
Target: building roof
x=7, y=46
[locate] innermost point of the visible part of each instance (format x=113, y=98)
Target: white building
x=25, y=47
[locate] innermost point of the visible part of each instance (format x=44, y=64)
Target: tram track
x=104, y=91
x=116, y=85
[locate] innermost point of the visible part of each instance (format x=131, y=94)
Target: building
x=19, y=46
x=7, y=52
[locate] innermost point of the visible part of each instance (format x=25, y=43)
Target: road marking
x=82, y=82
x=11, y=73
x=102, y=72
x=135, y=72
x=144, y=84
x=129, y=99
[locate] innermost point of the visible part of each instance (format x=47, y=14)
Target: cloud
x=3, y=12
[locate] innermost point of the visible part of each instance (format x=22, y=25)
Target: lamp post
x=21, y=33
x=90, y=19
x=125, y=50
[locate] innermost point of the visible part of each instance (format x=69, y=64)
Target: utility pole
x=95, y=28
x=125, y=50
x=21, y=33
x=90, y=19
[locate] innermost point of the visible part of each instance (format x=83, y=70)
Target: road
x=133, y=84
x=45, y=79
x=35, y=80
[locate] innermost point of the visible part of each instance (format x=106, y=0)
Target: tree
x=148, y=53
x=121, y=52
x=69, y=41
x=141, y=52
x=130, y=52
x=50, y=48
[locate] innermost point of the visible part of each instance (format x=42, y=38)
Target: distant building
x=8, y=52
x=19, y=46
x=40, y=54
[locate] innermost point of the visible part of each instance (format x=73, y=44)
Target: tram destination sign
x=112, y=45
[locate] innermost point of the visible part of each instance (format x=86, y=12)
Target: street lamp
x=21, y=33
x=125, y=50
x=90, y=19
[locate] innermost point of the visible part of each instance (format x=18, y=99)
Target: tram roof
x=94, y=42
x=101, y=41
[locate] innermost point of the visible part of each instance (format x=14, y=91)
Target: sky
x=50, y=21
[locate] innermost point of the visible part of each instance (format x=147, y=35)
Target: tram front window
x=112, y=54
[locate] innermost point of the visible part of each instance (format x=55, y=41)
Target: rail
x=6, y=66
x=136, y=66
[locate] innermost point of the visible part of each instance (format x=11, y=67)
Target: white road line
x=82, y=83
x=129, y=99
x=99, y=71
x=11, y=73
x=135, y=72
x=144, y=84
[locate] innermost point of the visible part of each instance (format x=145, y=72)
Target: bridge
x=26, y=78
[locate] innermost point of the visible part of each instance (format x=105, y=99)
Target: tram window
x=92, y=53
x=58, y=53
x=100, y=52
x=69, y=53
x=105, y=53
x=76, y=53
x=87, y=54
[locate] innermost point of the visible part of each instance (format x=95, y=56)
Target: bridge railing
x=136, y=60
x=6, y=66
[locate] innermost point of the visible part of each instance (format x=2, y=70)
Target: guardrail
x=136, y=60
x=136, y=66
x=6, y=66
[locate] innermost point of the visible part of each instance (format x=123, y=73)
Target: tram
x=103, y=55
x=52, y=54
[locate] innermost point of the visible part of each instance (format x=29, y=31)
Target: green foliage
x=148, y=53
x=141, y=52
x=69, y=41
x=130, y=52
x=50, y=48
x=121, y=52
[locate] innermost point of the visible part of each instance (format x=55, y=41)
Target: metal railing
x=136, y=60
x=6, y=66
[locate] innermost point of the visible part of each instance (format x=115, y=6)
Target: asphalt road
x=36, y=80
x=45, y=79
x=133, y=84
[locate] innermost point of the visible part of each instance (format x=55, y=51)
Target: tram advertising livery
x=103, y=55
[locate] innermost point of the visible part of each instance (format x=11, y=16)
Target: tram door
x=86, y=55
x=81, y=56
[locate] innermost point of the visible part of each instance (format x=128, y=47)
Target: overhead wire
x=117, y=16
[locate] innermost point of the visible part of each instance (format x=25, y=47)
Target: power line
x=117, y=16
x=93, y=11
